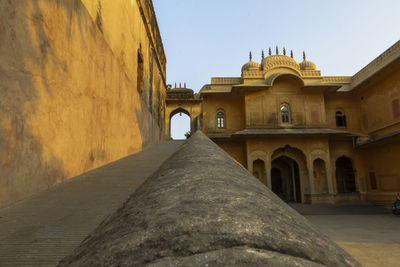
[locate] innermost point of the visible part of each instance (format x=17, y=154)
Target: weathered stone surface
x=200, y=208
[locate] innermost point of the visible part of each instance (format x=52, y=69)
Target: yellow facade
x=72, y=95
x=311, y=138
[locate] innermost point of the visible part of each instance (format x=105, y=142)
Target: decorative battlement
x=226, y=80
x=336, y=79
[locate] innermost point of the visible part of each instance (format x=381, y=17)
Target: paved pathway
x=368, y=232
x=41, y=230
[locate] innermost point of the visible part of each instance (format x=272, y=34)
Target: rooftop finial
x=304, y=55
x=250, y=56
x=291, y=53
x=284, y=51
x=175, y=85
x=262, y=54
x=277, y=50
x=269, y=51
x=184, y=85
x=180, y=85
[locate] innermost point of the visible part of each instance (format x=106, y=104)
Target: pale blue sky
x=205, y=39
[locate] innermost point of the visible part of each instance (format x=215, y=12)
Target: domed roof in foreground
x=250, y=65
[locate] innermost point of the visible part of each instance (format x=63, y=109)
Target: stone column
x=268, y=171
x=311, y=179
x=330, y=181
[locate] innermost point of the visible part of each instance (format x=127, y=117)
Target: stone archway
x=292, y=164
x=175, y=112
x=259, y=170
x=285, y=179
x=185, y=101
x=345, y=175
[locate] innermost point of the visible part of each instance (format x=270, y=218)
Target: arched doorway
x=345, y=177
x=285, y=179
x=320, y=177
x=259, y=170
x=180, y=124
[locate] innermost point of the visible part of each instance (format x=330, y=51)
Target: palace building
x=308, y=137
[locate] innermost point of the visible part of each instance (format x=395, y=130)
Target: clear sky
x=205, y=39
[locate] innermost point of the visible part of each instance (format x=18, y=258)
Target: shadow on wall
x=66, y=106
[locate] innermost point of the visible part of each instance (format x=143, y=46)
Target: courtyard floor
x=41, y=230
x=368, y=232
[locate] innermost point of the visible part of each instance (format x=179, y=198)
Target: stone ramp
x=41, y=230
x=202, y=208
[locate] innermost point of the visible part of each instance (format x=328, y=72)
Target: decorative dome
x=307, y=65
x=279, y=60
x=250, y=65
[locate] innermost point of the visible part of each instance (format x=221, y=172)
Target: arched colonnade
x=295, y=177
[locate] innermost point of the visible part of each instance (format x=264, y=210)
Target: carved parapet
x=336, y=79
x=226, y=80
x=310, y=73
x=252, y=74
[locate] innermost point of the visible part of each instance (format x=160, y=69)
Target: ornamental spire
x=269, y=51
x=262, y=54
x=291, y=53
x=304, y=55
x=277, y=50
x=284, y=51
x=250, y=56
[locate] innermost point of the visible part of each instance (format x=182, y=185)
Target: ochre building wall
x=380, y=169
x=68, y=92
x=344, y=157
x=377, y=100
x=232, y=105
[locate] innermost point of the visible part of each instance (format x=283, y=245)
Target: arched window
x=220, y=120
x=285, y=114
x=340, y=119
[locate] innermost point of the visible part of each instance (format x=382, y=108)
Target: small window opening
x=340, y=119
x=220, y=120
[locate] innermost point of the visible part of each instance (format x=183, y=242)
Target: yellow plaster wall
x=376, y=104
x=231, y=104
x=68, y=103
x=236, y=150
x=121, y=23
x=263, y=107
x=382, y=158
x=347, y=103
